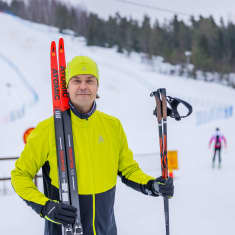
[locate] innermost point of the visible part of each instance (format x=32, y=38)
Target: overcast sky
x=162, y=9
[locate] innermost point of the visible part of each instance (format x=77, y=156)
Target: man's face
x=82, y=91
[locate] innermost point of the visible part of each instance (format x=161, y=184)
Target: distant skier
x=218, y=138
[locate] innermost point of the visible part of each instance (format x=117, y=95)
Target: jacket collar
x=82, y=115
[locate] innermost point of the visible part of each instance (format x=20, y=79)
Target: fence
x=9, y=178
x=214, y=113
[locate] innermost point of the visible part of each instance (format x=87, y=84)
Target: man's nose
x=83, y=85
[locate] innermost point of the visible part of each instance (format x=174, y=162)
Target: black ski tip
x=61, y=43
x=53, y=46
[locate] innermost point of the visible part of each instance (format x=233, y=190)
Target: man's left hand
x=163, y=187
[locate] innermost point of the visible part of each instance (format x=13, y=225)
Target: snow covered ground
x=203, y=202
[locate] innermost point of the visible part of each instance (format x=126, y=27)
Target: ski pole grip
x=164, y=102
x=158, y=110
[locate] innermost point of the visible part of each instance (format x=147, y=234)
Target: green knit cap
x=81, y=65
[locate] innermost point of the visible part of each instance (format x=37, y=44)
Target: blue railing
x=213, y=114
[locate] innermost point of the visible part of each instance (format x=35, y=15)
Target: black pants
x=219, y=153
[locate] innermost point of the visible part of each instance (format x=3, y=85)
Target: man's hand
x=163, y=187
x=59, y=213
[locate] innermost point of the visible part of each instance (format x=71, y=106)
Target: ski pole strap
x=172, y=111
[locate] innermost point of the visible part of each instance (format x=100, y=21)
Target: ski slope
x=203, y=202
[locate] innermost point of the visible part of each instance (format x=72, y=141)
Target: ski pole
x=161, y=114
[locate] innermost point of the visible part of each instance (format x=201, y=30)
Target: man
x=101, y=153
x=218, y=138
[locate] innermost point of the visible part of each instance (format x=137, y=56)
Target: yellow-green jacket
x=101, y=153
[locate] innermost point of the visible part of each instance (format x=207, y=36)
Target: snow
x=203, y=201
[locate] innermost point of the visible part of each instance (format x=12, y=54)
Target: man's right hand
x=59, y=213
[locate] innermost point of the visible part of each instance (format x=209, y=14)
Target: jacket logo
x=101, y=139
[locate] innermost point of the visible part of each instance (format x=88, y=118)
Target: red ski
x=68, y=136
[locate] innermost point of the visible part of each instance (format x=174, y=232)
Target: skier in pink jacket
x=219, y=140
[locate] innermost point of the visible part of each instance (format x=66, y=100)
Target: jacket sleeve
x=129, y=170
x=31, y=160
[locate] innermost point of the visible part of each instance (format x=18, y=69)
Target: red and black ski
x=59, y=134
x=68, y=135
x=64, y=139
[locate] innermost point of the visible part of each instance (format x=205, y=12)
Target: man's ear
x=97, y=96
